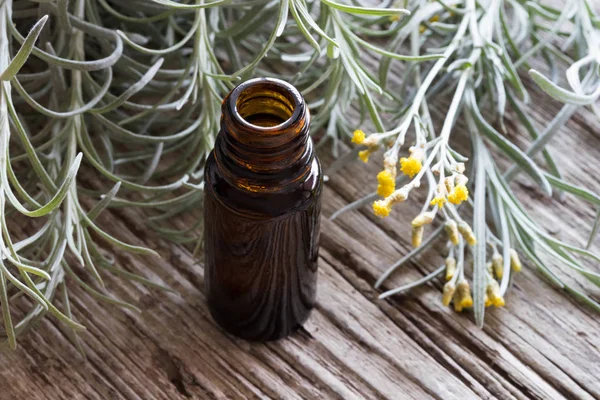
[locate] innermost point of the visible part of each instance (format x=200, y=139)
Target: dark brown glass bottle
x=261, y=213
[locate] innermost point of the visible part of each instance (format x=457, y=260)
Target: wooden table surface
x=542, y=345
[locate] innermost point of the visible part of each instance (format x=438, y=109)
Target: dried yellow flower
x=423, y=219
x=498, y=265
x=417, y=236
x=358, y=137
x=448, y=293
x=465, y=294
x=459, y=194
x=515, y=261
x=438, y=201
x=467, y=233
x=493, y=292
x=488, y=302
x=452, y=231
x=381, y=208
x=364, y=155
x=386, y=184
x=457, y=300
x=410, y=166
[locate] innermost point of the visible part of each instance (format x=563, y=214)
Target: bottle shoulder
x=292, y=197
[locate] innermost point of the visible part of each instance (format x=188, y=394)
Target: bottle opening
x=266, y=104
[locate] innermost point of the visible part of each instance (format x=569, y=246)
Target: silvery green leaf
x=23, y=53
x=365, y=10
x=560, y=94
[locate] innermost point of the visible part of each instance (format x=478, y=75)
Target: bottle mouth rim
x=288, y=91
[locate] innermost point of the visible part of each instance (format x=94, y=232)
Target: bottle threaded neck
x=264, y=141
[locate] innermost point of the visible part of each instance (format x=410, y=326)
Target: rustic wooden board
x=542, y=345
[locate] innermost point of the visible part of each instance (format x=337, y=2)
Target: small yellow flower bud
x=423, y=219
x=459, y=167
x=381, y=208
x=490, y=268
x=422, y=28
x=390, y=159
x=399, y=195
x=448, y=293
x=364, y=155
x=466, y=300
x=435, y=18
x=386, y=184
x=417, y=236
x=396, y=17
x=417, y=153
x=438, y=201
x=460, y=179
x=449, y=184
x=515, y=262
x=499, y=302
x=488, y=302
x=493, y=291
x=450, y=267
x=358, y=137
x=467, y=233
x=498, y=265
x=457, y=300
x=452, y=231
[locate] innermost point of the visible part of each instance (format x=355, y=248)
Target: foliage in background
x=133, y=89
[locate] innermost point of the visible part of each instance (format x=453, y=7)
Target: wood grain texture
x=542, y=345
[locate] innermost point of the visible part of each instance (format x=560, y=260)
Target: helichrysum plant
x=131, y=91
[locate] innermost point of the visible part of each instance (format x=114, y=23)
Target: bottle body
x=261, y=215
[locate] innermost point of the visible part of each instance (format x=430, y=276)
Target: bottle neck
x=264, y=142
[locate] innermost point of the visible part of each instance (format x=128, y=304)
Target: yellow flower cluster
x=359, y=137
x=460, y=296
x=382, y=208
x=385, y=183
x=459, y=194
x=410, y=166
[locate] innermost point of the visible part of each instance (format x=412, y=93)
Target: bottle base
x=261, y=331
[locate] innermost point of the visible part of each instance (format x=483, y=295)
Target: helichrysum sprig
x=475, y=47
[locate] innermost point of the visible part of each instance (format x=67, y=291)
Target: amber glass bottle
x=261, y=213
